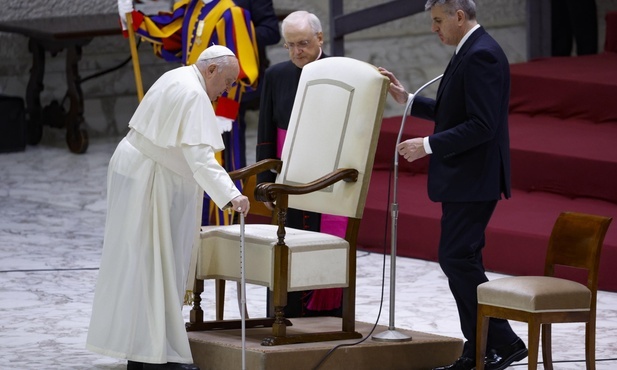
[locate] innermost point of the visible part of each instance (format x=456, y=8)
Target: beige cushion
x=316, y=260
x=535, y=294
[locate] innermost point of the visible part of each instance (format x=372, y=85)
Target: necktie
x=445, y=74
x=450, y=63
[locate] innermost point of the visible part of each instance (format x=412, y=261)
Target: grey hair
x=220, y=62
x=451, y=6
x=302, y=16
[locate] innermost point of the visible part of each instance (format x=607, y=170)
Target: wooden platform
x=222, y=350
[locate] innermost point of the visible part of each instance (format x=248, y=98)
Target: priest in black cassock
x=303, y=37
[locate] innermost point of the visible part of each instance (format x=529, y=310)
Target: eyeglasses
x=300, y=45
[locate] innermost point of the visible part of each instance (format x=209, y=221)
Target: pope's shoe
x=132, y=365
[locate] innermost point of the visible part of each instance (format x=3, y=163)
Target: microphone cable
x=383, y=280
x=393, y=168
x=103, y=72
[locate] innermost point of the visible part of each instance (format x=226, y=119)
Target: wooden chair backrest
x=576, y=241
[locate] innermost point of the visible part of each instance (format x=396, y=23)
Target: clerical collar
x=460, y=44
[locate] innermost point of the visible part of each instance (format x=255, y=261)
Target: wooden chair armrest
x=269, y=192
x=255, y=168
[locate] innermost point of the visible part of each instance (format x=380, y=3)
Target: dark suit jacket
x=277, y=98
x=470, y=144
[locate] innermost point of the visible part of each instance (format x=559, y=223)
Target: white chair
x=325, y=167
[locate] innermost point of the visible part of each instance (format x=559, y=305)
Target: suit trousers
x=574, y=22
x=463, y=225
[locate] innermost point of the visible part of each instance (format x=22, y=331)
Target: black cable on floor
x=111, y=69
x=105, y=71
x=383, y=279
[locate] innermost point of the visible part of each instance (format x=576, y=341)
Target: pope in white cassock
x=155, y=182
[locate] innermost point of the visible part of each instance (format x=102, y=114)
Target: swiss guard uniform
x=182, y=35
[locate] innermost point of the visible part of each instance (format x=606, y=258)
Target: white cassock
x=154, y=188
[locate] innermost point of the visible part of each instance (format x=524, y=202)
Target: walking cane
x=242, y=291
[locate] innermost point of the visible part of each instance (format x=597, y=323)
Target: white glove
x=124, y=6
x=224, y=124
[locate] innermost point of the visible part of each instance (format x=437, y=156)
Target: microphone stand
x=392, y=335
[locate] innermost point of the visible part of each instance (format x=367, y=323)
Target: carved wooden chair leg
x=219, y=286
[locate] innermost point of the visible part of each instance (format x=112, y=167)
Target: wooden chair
x=576, y=242
x=325, y=167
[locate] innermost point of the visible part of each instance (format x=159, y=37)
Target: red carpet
x=563, y=133
x=567, y=87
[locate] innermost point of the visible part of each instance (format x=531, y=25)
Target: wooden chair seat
x=535, y=294
x=575, y=242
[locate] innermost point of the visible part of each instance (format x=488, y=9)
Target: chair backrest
x=335, y=123
x=576, y=241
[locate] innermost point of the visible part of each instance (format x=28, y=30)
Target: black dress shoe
x=503, y=357
x=463, y=363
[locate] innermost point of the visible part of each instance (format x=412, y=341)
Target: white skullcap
x=215, y=51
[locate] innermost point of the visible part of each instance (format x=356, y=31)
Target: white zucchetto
x=215, y=51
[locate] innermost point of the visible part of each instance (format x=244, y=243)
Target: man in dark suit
x=469, y=168
x=303, y=37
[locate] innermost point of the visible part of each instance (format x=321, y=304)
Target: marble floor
x=52, y=213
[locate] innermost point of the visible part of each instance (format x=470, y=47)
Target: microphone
x=392, y=334
x=410, y=100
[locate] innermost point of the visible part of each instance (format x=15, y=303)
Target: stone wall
x=405, y=46
x=109, y=100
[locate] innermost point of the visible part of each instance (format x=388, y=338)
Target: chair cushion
x=535, y=294
x=316, y=260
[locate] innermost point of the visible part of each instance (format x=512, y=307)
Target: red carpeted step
x=566, y=87
x=516, y=237
x=418, y=222
x=575, y=158
x=414, y=127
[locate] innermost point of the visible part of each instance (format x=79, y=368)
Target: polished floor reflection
x=52, y=213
